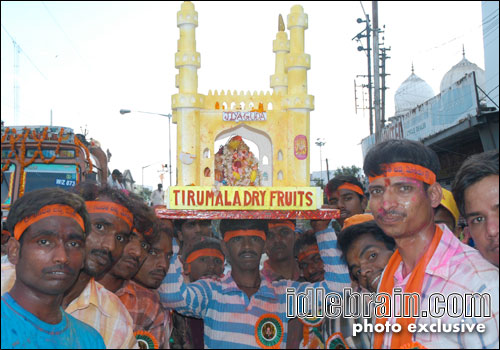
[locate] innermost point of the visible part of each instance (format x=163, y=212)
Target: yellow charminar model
x=278, y=123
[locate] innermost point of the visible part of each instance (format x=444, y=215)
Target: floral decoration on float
x=236, y=165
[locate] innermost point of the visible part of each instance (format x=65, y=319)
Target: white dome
x=411, y=93
x=458, y=71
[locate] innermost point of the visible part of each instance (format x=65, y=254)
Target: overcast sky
x=87, y=60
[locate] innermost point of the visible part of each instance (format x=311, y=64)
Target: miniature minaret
x=187, y=103
x=298, y=103
x=281, y=46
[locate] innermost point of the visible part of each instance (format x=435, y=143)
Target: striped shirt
x=454, y=268
x=230, y=316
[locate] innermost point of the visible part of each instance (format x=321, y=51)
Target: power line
x=362, y=7
x=489, y=92
x=65, y=34
x=485, y=21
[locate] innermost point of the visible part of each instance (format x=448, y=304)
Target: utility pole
x=383, y=58
x=327, y=171
x=320, y=142
x=370, y=99
x=368, y=50
x=363, y=95
x=355, y=98
x=376, y=72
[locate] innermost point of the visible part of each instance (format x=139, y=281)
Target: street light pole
x=320, y=142
x=169, y=116
x=169, y=153
x=144, y=167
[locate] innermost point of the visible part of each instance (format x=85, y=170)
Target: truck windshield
x=6, y=181
x=50, y=175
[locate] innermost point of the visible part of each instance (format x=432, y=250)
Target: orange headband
x=204, y=252
x=357, y=219
x=45, y=212
x=239, y=233
x=312, y=250
x=407, y=170
x=351, y=187
x=110, y=208
x=146, y=234
x=286, y=223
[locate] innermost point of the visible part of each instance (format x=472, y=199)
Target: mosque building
x=455, y=123
x=459, y=120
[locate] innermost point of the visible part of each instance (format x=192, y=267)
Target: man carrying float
x=245, y=189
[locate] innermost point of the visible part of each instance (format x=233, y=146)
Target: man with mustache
x=279, y=249
x=142, y=303
x=429, y=258
x=346, y=193
x=155, y=267
x=476, y=190
x=281, y=264
x=236, y=308
x=48, y=250
x=306, y=252
x=87, y=300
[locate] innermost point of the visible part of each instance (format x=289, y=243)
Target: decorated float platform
x=244, y=155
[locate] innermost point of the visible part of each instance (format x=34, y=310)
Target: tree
x=348, y=171
x=145, y=193
x=317, y=182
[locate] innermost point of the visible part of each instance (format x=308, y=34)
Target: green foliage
x=348, y=171
x=317, y=182
x=145, y=193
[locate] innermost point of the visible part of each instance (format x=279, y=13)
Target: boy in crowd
x=48, y=250
x=190, y=231
x=206, y=228
x=88, y=300
x=205, y=259
x=429, y=259
x=366, y=249
x=334, y=330
x=142, y=303
x=476, y=191
x=346, y=193
x=236, y=309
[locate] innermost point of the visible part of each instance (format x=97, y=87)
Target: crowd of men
x=95, y=268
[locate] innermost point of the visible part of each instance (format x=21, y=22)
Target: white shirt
x=157, y=197
x=114, y=183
